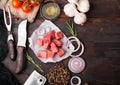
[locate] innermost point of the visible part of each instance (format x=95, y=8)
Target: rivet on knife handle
x=20, y=63
x=11, y=49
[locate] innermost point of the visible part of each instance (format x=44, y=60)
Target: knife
x=21, y=46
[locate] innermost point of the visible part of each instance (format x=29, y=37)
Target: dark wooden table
x=100, y=35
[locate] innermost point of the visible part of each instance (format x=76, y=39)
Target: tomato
x=16, y=3
x=34, y=2
x=24, y=0
x=26, y=7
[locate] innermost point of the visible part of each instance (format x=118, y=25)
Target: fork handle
x=11, y=49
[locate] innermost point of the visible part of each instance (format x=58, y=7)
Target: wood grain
x=101, y=37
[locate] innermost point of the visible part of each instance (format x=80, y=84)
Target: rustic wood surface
x=100, y=35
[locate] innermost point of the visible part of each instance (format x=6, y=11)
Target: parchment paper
x=37, y=34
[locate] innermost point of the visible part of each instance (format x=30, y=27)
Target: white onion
x=80, y=18
x=70, y=10
x=83, y=6
x=81, y=52
x=72, y=1
x=47, y=29
x=70, y=41
x=79, y=44
x=41, y=32
x=75, y=77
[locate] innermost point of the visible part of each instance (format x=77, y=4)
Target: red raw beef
x=54, y=47
x=60, y=52
x=52, y=34
x=57, y=42
x=50, y=54
x=39, y=53
x=46, y=41
x=46, y=38
x=51, y=43
x=58, y=35
x=39, y=42
x=42, y=54
x=46, y=46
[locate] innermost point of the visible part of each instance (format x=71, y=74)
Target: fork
x=10, y=36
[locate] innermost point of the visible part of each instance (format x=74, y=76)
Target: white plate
x=38, y=34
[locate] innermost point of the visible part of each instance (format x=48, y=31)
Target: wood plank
x=101, y=37
x=104, y=8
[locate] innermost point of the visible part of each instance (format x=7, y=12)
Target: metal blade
x=22, y=33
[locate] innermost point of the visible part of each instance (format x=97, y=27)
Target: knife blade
x=22, y=33
x=21, y=45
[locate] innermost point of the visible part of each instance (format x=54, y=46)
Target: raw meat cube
x=46, y=35
x=39, y=41
x=39, y=53
x=60, y=52
x=46, y=45
x=54, y=47
x=50, y=54
x=52, y=34
x=46, y=39
x=42, y=54
x=58, y=35
x=57, y=42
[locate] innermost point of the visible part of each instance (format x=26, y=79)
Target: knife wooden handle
x=21, y=62
x=11, y=49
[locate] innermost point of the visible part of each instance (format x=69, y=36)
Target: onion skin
x=70, y=10
x=73, y=1
x=80, y=18
x=78, y=12
x=83, y=6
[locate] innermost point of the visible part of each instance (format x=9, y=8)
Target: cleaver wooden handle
x=11, y=49
x=21, y=61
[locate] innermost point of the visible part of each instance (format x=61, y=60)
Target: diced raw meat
x=46, y=35
x=58, y=35
x=54, y=47
x=60, y=52
x=50, y=54
x=46, y=46
x=39, y=53
x=46, y=39
x=42, y=54
x=57, y=42
x=52, y=34
x=51, y=43
x=39, y=42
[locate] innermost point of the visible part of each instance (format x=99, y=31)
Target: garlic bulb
x=70, y=9
x=80, y=18
x=73, y=1
x=83, y=6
